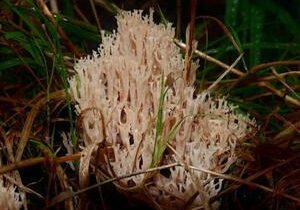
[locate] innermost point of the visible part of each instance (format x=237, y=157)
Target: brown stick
x=36, y=161
x=58, y=95
x=280, y=93
x=210, y=59
x=256, y=68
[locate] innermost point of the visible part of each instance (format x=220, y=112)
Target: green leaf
x=42, y=146
x=162, y=16
x=15, y=35
x=25, y=15
x=109, y=6
x=10, y=63
x=5, y=50
x=78, y=30
x=158, y=145
x=30, y=44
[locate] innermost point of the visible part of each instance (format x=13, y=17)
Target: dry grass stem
x=36, y=161
x=80, y=14
x=281, y=94
x=66, y=195
x=237, y=184
x=259, y=67
x=246, y=182
x=210, y=59
x=21, y=186
x=227, y=33
x=58, y=95
x=212, y=86
x=92, y=3
x=278, y=75
x=283, y=82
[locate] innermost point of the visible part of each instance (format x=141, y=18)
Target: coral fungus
x=119, y=92
x=10, y=199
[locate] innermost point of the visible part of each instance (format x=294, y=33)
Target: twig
x=58, y=95
x=80, y=14
x=281, y=75
x=257, y=68
x=269, y=93
x=92, y=3
x=225, y=30
x=280, y=93
x=246, y=182
x=267, y=85
x=21, y=186
x=252, y=72
x=66, y=195
x=291, y=130
x=110, y=7
x=225, y=73
x=36, y=161
x=283, y=82
x=254, y=176
x=210, y=59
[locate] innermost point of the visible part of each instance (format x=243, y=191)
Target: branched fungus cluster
x=137, y=111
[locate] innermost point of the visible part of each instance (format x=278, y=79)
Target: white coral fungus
x=10, y=199
x=117, y=93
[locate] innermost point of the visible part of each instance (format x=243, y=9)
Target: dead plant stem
x=58, y=95
x=210, y=59
x=66, y=195
x=36, y=161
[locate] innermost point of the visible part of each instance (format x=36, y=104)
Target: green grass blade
x=109, y=6
x=31, y=45
x=78, y=30
x=10, y=63
x=25, y=14
x=159, y=126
